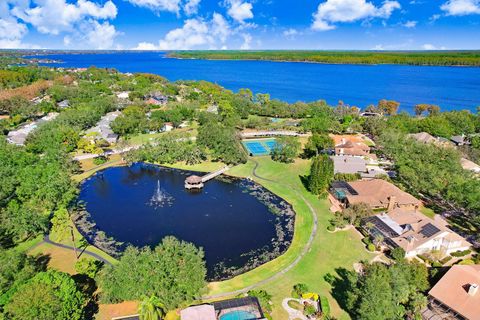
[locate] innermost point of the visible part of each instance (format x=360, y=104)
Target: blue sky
x=240, y=24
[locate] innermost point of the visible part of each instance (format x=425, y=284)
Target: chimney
x=391, y=203
x=343, y=140
x=472, y=290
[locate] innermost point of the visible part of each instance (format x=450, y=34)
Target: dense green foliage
x=32, y=187
x=174, y=272
x=15, y=269
x=168, y=149
x=385, y=292
x=48, y=295
x=321, y=174
x=317, y=143
x=151, y=309
x=221, y=139
x=349, y=57
x=432, y=171
x=286, y=149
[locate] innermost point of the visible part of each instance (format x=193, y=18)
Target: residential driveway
x=293, y=314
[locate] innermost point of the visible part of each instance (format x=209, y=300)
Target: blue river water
x=451, y=88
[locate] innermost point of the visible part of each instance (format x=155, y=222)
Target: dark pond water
x=231, y=219
x=450, y=87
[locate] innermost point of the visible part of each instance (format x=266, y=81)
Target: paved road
x=64, y=246
x=306, y=248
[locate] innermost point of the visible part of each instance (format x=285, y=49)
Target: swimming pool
x=238, y=315
x=259, y=147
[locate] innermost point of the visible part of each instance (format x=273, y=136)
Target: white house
x=414, y=233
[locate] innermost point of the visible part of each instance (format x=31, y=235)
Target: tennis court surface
x=259, y=147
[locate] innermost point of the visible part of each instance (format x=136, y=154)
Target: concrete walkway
x=293, y=314
x=306, y=248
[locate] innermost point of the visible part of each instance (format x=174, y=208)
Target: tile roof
x=452, y=290
x=377, y=193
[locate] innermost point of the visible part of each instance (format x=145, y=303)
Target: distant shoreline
x=434, y=58
x=332, y=63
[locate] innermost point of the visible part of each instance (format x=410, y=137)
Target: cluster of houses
x=351, y=155
x=19, y=136
x=455, y=141
x=398, y=222
x=102, y=129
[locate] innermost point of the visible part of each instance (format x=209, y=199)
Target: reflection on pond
x=238, y=223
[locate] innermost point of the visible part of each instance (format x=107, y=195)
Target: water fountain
x=160, y=198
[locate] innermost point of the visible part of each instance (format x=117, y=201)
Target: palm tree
x=151, y=309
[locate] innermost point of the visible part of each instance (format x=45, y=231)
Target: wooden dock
x=196, y=182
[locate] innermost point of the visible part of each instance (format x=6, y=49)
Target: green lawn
x=328, y=252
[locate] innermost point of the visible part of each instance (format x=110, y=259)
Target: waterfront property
x=377, y=193
x=247, y=308
x=456, y=295
x=259, y=147
x=414, y=233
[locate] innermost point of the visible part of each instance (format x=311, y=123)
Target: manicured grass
x=59, y=258
x=90, y=168
x=328, y=252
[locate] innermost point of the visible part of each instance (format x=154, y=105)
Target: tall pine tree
x=321, y=174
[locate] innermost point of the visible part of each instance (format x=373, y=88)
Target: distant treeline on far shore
x=436, y=58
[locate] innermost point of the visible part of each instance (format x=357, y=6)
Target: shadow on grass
x=88, y=286
x=342, y=283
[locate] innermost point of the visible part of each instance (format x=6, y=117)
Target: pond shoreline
x=284, y=225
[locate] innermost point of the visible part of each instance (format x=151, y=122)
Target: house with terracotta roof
x=377, y=193
x=350, y=145
x=415, y=233
x=456, y=295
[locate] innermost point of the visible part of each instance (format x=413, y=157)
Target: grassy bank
x=328, y=252
x=437, y=58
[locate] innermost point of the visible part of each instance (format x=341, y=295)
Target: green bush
x=367, y=240
x=460, y=253
x=467, y=262
x=325, y=306
x=309, y=310
x=446, y=259
x=371, y=247
x=331, y=228
x=100, y=160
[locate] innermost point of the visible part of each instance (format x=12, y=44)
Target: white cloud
x=429, y=46
x=55, y=16
x=333, y=11
x=290, y=32
x=461, y=7
x=145, y=46
x=191, y=7
x=195, y=33
x=101, y=35
x=158, y=5
x=410, y=24
x=239, y=11
x=247, y=40
x=10, y=29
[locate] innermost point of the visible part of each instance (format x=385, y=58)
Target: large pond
x=238, y=223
